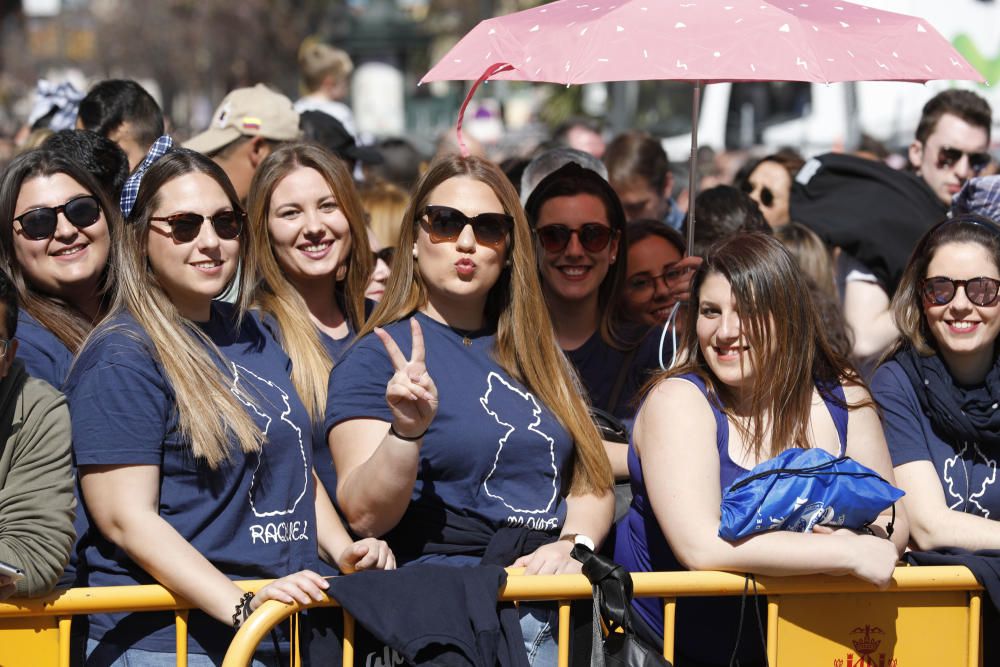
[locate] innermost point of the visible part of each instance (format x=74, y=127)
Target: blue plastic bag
x=802, y=488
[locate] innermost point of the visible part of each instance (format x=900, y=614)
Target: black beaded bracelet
x=393, y=433
x=242, y=610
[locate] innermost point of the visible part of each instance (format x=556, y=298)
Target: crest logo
x=866, y=639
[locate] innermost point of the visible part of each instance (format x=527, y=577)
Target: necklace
x=465, y=334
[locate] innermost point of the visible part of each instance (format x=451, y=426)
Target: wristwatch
x=579, y=538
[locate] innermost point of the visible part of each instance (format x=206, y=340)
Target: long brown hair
x=208, y=413
x=525, y=342
x=789, y=350
x=277, y=296
x=62, y=318
x=907, y=302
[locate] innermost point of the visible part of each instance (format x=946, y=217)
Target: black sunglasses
x=444, y=223
x=949, y=157
x=41, y=223
x=385, y=254
x=766, y=194
x=185, y=227
x=593, y=236
x=982, y=291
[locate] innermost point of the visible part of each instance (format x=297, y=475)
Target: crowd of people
x=271, y=352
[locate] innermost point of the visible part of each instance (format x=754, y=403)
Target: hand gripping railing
x=934, y=600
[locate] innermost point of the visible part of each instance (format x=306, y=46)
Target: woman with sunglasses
x=56, y=242
x=769, y=183
x=939, y=390
x=315, y=265
x=757, y=377
x=454, y=415
x=579, y=227
x=192, y=444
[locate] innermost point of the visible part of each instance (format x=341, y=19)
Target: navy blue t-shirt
x=44, y=356
x=599, y=364
x=968, y=471
x=253, y=517
x=493, y=451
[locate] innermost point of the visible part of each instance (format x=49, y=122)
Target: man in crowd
x=36, y=473
x=640, y=173
x=246, y=127
x=121, y=110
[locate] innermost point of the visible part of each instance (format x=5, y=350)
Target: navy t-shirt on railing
x=493, y=451
x=253, y=517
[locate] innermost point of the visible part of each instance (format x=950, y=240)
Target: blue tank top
x=705, y=626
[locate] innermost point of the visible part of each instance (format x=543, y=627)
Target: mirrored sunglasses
x=593, y=236
x=940, y=291
x=444, y=223
x=40, y=223
x=185, y=227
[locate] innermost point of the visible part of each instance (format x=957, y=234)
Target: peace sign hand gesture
x=410, y=393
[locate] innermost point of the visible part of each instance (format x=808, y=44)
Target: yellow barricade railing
x=36, y=632
x=927, y=616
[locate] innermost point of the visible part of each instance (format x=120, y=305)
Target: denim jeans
x=539, y=623
x=105, y=655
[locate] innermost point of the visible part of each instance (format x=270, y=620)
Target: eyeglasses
x=939, y=290
x=185, y=227
x=445, y=223
x=949, y=157
x=593, y=236
x=40, y=223
x=643, y=283
x=385, y=254
x=766, y=194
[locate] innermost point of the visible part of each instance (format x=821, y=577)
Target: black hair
x=643, y=228
x=722, y=211
x=98, y=155
x=965, y=104
x=8, y=299
x=115, y=101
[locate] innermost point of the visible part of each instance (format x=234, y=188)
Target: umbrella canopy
x=573, y=42
x=703, y=41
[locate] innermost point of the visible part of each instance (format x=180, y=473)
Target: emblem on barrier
x=866, y=639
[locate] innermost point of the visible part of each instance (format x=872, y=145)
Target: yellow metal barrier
x=36, y=632
x=928, y=615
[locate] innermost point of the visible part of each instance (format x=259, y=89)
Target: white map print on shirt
x=957, y=461
x=241, y=374
x=518, y=456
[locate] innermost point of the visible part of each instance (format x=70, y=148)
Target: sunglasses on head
x=939, y=290
x=185, y=227
x=41, y=223
x=766, y=194
x=444, y=223
x=949, y=157
x=593, y=236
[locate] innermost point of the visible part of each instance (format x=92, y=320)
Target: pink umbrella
x=702, y=41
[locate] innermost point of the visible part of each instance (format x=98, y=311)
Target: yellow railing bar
x=564, y=626
x=645, y=584
x=975, y=627
x=669, y=618
x=772, y=630
x=65, y=627
x=75, y=601
x=181, y=636
x=348, y=640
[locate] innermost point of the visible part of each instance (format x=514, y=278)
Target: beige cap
x=250, y=112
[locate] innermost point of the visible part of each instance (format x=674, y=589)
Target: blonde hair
x=811, y=254
x=208, y=413
x=318, y=61
x=525, y=345
x=275, y=295
x=385, y=204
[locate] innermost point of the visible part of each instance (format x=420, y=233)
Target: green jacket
x=36, y=481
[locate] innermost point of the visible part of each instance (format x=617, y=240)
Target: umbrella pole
x=693, y=163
